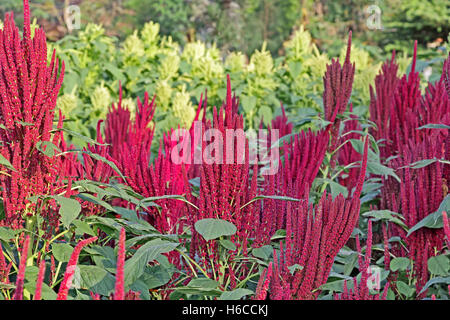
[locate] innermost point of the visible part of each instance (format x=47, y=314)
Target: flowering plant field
x=172, y=200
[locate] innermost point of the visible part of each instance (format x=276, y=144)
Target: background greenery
x=276, y=52
x=244, y=25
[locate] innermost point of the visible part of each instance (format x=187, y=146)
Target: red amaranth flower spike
x=263, y=284
x=70, y=269
x=314, y=236
x=119, y=293
x=18, y=294
x=338, y=84
x=40, y=281
x=28, y=92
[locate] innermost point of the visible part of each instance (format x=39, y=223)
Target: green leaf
x=150, y=201
x=248, y=103
x=334, y=286
x=433, y=220
x=358, y=145
x=6, y=234
x=7, y=286
x=386, y=215
x=404, y=289
x=203, y=283
x=422, y=163
x=295, y=68
x=82, y=228
x=62, y=251
x=236, y=294
x=69, y=209
x=265, y=113
x=400, y=264
x=227, y=244
x=47, y=293
x=350, y=263
x=6, y=163
x=434, y=126
x=47, y=148
x=212, y=229
x=81, y=137
x=25, y=124
x=115, y=72
x=264, y=252
x=439, y=265
x=270, y=197
x=96, y=279
x=106, y=161
x=294, y=268
x=379, y=169
x=135, y=266
x=437, y=280
x=156, y=276
x=95, y=200
x=279, y=234
x=31, y=273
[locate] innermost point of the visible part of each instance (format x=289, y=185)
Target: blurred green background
x=275, y=51
x=243, y=25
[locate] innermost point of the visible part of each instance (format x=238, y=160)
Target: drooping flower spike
x=70, y=269
x=18, y=294
x=119, y=293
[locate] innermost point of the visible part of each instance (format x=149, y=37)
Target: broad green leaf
x=69, y=209
x=62, y=251
x=96, y=200
x=227, y=244
x=334, y=286
x=387, y=215
x=439, y=265
x=264, y=252
x=248, y=103
x=350, y=264
x=82, y=228
x=433, y=220
x=47, y=148
x=96, y=279
x=358, y=145
x=211, y=229
x=156, y=276
x=236, y=294
x=203, y=283
x=379, y=169
x=6, y=234
x=400, y=264
x=265, y=113
x=295, y=67
x=47, y=293
x=135, y=266
x=31, y=273
x=404, y=289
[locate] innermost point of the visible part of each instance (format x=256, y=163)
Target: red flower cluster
x=399, y=111
x=28, y=92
